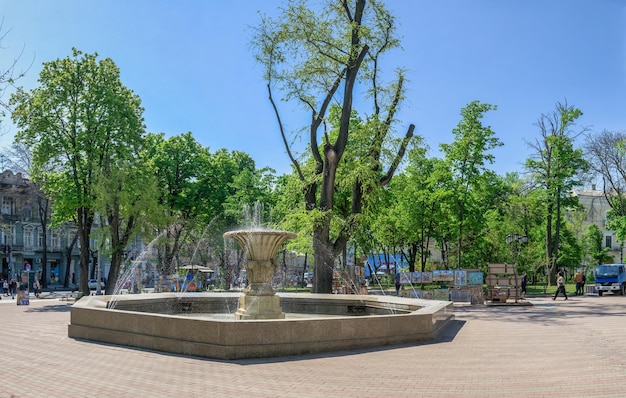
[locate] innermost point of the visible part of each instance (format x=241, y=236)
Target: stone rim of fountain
x=388, y=320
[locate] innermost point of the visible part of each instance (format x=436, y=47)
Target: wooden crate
x=501, y=268
x=504, y=282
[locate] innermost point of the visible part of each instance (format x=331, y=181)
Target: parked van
x=610, y=278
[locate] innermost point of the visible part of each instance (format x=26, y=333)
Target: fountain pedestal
x=259, y=307
x=259, y=300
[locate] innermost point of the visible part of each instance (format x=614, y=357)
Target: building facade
x=596, y=206
x=22, y=237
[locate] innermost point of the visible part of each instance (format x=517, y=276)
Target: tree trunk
x=119, y=240
x=324, y=263
x=460, y=240
x=551, y=260
x=43, y=206
x=68, y=260
x=85, y=222
x=83, y=281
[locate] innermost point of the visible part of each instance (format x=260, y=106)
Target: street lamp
x=515, y=241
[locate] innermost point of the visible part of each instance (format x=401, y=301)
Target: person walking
x=36, y=287
x=13, y=288
x=524, y=284
x=560, y=286
x=578, y=279
x=397, y=283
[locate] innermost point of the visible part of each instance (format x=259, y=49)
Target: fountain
x=265, y=324
x=259, y=300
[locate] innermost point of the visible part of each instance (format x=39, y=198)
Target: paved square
x=574, y=348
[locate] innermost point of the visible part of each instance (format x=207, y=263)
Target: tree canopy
x=81, y=123
x=314, y=57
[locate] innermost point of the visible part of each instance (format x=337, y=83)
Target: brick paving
x=571, y=348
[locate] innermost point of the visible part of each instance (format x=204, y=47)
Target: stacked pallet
x=503, y=283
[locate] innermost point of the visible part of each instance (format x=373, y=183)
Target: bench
x=71, y=296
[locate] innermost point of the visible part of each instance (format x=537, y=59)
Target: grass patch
x=535, y=290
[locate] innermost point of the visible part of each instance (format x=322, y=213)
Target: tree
x=466, y=158
x=81, y=122
x=555, y=166
x=70, y=239
x=176, y=162
x=521, y=211
x=199, y=195
x=606, y=152
x=246, y=189
x=415, y=206
x=595, y=249
x=126, y=195
x=315, y=57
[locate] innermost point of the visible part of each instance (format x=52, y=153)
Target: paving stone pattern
x=574, y=348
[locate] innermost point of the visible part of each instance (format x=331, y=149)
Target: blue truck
x=610, y=278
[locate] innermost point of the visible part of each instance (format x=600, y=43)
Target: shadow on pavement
x=546, y=310
x=51, y=308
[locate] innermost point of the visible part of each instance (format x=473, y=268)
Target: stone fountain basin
x=167, y=322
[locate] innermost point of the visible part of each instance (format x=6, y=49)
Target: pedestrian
x=5, y=287
x=13, y=288
x=397, y=281
x=36, y=287
x=578, y=279
x=524, y=282
x=584, y=281
x=560, y=286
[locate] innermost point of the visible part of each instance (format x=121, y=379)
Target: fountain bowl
x=196, y=324
x=259, y=244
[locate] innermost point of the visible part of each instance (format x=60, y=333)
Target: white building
x=596, y=206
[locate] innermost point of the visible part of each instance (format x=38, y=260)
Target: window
x=28, y=238
x=7, y=205
x=608, y=242
x=54, y=239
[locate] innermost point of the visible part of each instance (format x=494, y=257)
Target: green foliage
x=594, y=239
x=80, y=123
x=200, y=193
x=556, y=167
x=83, y=127
x=616, y=217
x=315, y=55
x=411, y=214
x=467, y=157
x=176, y=163
x=521, y=212
x=468, y=154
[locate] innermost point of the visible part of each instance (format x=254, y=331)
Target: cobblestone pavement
x=571, y=348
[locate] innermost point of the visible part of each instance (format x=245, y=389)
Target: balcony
x=8, y=218
x=17, y=248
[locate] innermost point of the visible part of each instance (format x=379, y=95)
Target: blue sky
x=190, y=63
